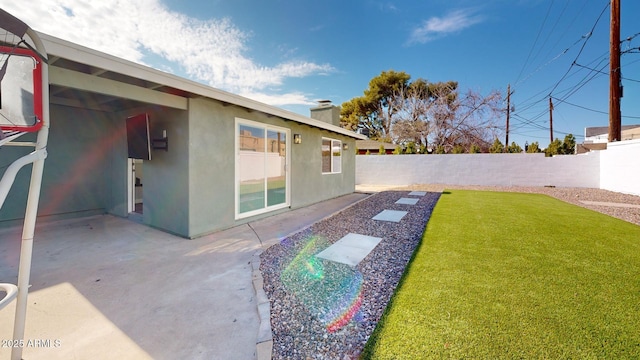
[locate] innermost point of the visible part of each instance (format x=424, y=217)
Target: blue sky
x=292, y=53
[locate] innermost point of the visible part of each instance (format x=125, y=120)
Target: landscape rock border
x=297, y=329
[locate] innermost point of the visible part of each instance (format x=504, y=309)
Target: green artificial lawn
x=516, y=276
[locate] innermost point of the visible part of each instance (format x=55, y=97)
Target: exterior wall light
x=297, y=139
x=345, y=146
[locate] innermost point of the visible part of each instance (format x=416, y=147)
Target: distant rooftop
x=600, y=130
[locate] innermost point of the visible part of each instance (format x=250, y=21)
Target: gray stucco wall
x=86, y=169
x=77, y=173
x=14, y=205
x=308, y=184
x=165, y=186
x=116, y=202
x=212, y=165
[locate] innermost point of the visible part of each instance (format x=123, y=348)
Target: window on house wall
x=261, y=168
x=331, y=156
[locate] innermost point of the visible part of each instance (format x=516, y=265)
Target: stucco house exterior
x=220, y=159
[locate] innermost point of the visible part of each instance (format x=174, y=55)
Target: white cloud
x=212, y=51
x=436, y=27
x=281, y=99
x=388, y=6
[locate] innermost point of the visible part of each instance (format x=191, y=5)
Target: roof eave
x=78, y=53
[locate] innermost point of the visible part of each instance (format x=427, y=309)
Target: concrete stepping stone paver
x=390, y=215
x=351, y=249
x=418, y=193
x=407, y=201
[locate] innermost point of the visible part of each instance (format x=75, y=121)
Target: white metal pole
x=9, y=175
x=28, y=230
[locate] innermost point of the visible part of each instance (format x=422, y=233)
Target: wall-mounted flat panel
x=138, y=138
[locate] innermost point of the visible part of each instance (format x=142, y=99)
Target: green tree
x=395, y=109
x=458, y=149
x=382, y=150
x=568, y=145
x=440, y=150
x=398, y=150
x=514, y=148
x=554, y=148
x=496, y=147
x=533, y=148
x=422, y=149
x=374, y=110
x=474, y=149
x=410, y=148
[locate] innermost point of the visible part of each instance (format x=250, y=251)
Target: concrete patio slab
x=390, y=215
x=418, y=193
x=272, y=229
x=407, y=201
x=351, y=249
x=108, y=288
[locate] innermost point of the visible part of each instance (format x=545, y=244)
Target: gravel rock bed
x=305, y=291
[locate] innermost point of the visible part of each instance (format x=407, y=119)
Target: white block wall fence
x=616, y=169
x=620, y=167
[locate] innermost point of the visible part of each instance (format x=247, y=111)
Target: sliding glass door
x=276, y=165
x=261, y=168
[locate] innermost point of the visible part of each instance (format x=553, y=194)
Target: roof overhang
x=115, y=83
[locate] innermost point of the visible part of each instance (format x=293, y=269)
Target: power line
x=535, y=41
x=630, y=37
x=524, y=133
x=604, y=72
x=566, y=30
x=559, y=38
x=568, y=74
x=595, y=69
x=586, y=79
x=549, y=62
x=588, y=36
x=530, y=122
x=594, y=110
x=582, y=107
x=543, y=98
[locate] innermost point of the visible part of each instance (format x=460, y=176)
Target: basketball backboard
x=20, y=90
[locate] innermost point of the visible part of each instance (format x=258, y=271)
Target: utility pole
x=550, y=120
x=506, y=141
x=615, y=85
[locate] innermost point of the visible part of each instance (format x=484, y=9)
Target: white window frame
x=266, y=128
x=331, y=159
